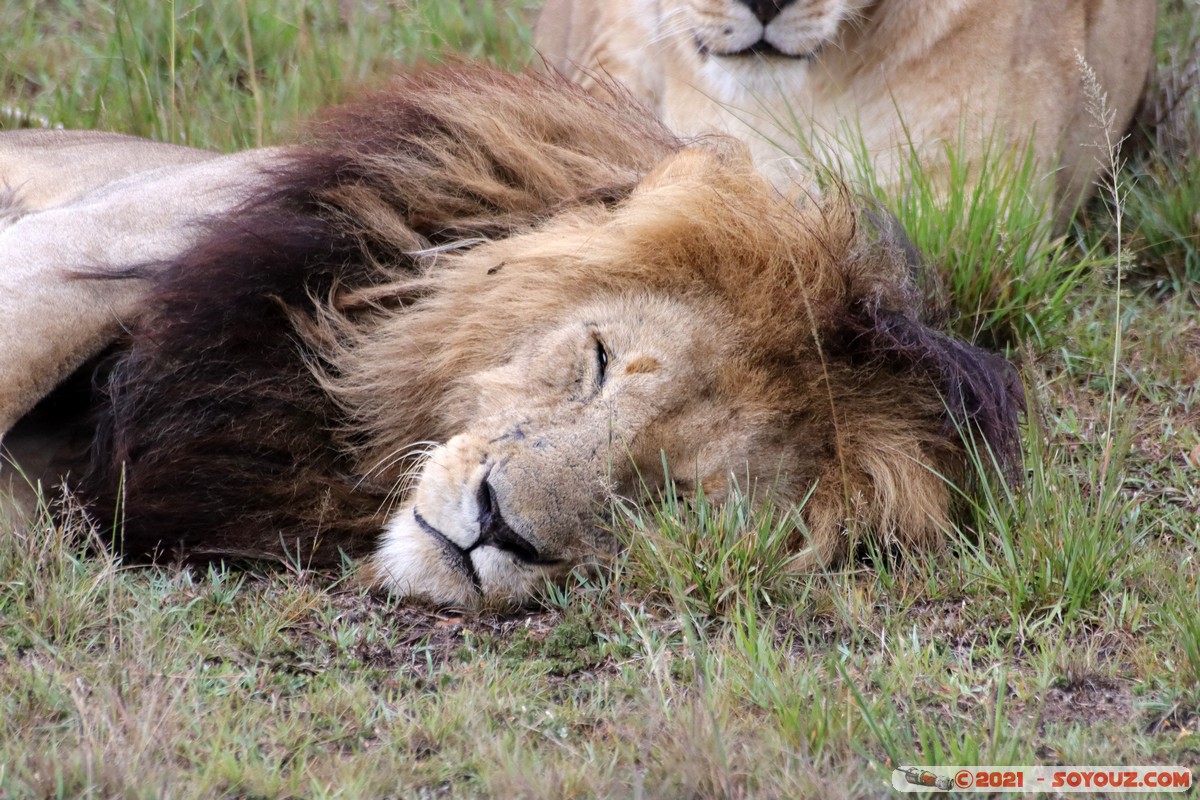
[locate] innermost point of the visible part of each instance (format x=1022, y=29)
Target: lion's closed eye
x=601, y=362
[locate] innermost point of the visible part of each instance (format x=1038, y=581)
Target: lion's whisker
x=412, y=450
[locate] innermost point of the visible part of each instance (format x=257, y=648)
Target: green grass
x=1165, y=188
x=993, y=249
x=231, y=74
x=1060, y=627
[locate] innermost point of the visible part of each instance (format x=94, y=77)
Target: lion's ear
x=887, y=266
x=981, y=391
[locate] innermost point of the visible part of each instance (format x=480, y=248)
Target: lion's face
x=796, y=29
x=588, y=408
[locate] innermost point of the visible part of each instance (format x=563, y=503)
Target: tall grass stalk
x=1110, y=165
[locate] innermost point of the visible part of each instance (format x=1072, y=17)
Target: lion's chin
x=416, y=561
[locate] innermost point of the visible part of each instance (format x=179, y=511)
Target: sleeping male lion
x=902, y=74
x=447, y=332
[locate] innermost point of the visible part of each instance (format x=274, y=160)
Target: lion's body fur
x=391, y=282
x=81, y=202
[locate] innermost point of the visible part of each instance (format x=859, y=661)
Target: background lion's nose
x=767, y=10
x=494, y=530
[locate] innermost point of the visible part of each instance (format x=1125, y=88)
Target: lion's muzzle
x=494, y=531
x=468, y=535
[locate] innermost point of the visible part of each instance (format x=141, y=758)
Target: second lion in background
x=844, y=80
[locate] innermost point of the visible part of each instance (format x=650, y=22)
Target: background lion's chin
x=765, y=50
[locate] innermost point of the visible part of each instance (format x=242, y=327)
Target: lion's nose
x=494, y=530
x=767, y=10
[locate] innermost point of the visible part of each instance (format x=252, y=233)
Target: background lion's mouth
x=761, y=48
